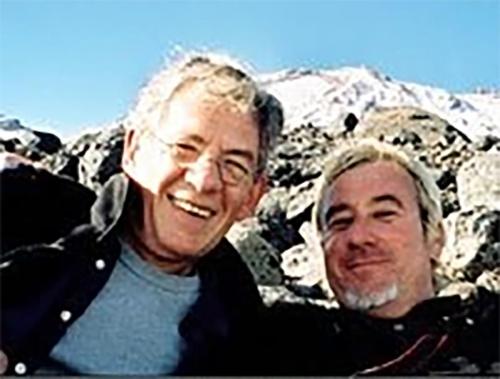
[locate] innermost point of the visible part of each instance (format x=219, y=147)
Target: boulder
x=261, y=257
x=478, y=181
x=473, y=242
x=31, y=144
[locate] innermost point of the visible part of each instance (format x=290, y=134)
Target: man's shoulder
x=224, y=257
x=484, y=297
x=306, y=319
x=481, y=305
x=473, y=330
x=480, y=317
x=40, y=207
x=225, y=279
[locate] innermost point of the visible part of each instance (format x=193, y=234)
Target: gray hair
x=222, y=78
x=367, y=150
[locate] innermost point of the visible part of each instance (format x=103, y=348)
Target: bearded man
x=379, y=225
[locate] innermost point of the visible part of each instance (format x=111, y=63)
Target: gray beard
x=365, y=302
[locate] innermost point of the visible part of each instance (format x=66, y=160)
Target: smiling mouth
x=361, y=263
x=191, y=208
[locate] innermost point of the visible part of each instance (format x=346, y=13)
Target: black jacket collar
x=110, y=204
x=119, y=193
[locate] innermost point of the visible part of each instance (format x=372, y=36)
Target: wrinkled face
x=188, y=208
x=376, y=256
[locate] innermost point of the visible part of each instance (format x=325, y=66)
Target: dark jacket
x=59, y=247
x=444, y=335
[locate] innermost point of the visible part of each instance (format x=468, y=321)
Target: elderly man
x=379, y=226
x=143, y=282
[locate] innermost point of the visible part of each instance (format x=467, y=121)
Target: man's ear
x=130, y=146
x=248, y=207
x=436, y=243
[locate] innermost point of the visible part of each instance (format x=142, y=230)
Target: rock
x=102, y=158
x=490, y=279
x=421, y=134
x=473, y=242
x=63, y=164
x=303, y=267
x=92, y=158
x=299, y=156
x=350, y=122
x=271, y=215
x=301, y=202
x=47, y=142
x=259, y=255
x=487, y=143
x=273, y=294
x=297, y=265
x=32, y=144
x=446, y=179
x=464, y=289
x=478, y=181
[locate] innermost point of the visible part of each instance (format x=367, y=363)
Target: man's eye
x=340, y=224
x=385, y=215
x=185, y=152
x=236, y=167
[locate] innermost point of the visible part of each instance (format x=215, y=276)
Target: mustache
x=364, y=255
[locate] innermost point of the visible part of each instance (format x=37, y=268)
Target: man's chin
x=366, y=301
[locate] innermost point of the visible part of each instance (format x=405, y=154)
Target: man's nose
x=360, y=234
x=204, y=176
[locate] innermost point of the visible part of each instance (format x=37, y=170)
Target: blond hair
x=366, y=151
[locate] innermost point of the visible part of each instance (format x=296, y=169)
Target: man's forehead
x=203, y=122
x=384, y=198
x=200, y=94
x=371, y=182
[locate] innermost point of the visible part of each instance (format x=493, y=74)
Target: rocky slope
x=456, y=135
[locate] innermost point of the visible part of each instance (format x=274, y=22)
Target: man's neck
x=155, y=255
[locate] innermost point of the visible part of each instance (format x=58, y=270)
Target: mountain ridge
x=323, y=96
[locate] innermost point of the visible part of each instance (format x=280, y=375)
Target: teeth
x=191, y=208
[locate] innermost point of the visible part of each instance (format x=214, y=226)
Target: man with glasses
x=147, y=284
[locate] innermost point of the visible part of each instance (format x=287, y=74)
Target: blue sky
x=70, y=64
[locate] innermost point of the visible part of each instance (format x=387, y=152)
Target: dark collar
x=110, y=204
x=427, y=314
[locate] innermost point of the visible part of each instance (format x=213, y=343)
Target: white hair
x=365, y=302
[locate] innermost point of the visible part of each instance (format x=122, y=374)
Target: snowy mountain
x=322, y=97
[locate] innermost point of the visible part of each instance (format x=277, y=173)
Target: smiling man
x=379, y=226
x=378, y=250
x=143, y=282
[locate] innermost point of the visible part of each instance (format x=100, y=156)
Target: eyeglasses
x=232, y=170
